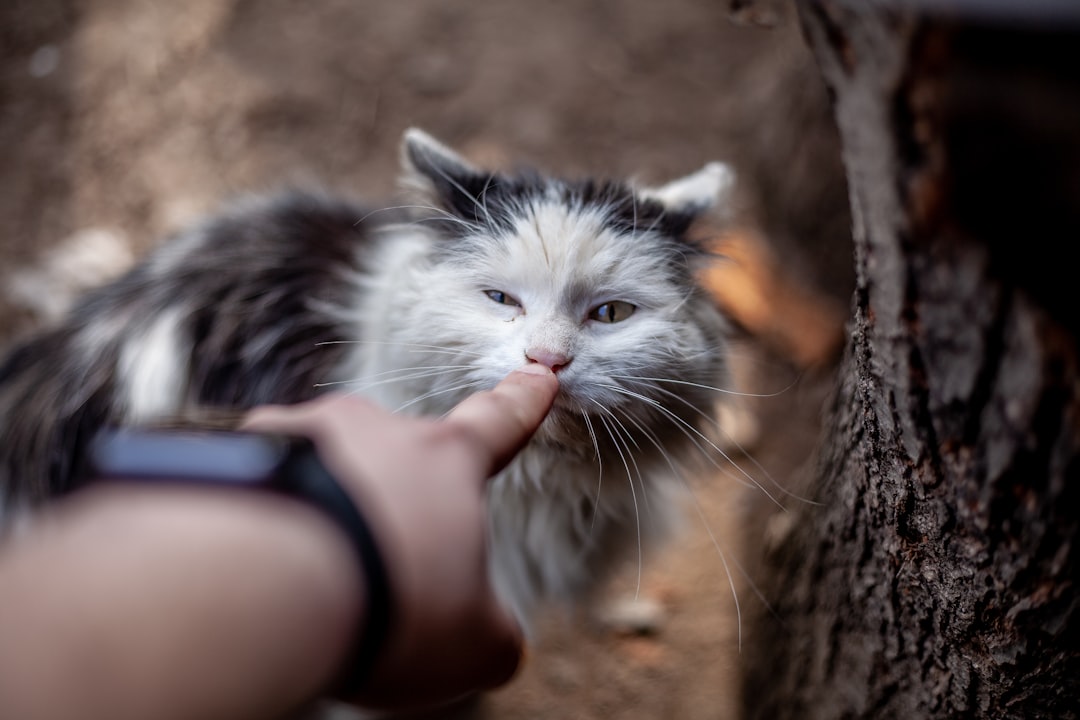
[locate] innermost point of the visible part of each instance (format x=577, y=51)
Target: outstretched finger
x=505, y=417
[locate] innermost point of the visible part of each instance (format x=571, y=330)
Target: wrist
x=253, y=598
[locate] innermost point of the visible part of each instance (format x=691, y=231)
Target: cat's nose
x=551, y=358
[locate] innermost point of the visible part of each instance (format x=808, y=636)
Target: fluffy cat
x=282, y=298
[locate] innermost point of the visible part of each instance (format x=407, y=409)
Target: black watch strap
x=304, y=476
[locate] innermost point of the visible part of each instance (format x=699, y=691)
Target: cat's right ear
x=711, y=186
x=438, y=176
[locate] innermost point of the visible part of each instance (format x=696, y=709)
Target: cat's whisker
x=723, y=391
x=727, y=571
x=711, y=419
x=599, y=468
x=688, y=428
x=677, y=473
x=724, y=557
x=693, y=440
x=484, y=198
x=702, y=386
x=442, y=391
x=688, y=295
x=417, y=346
x=396, y=375
x=652, y=438
x=442, y=215
x=653, y=225
x=446, y=218
x=369, y=384
x=400, y=374
x=629, y=438
x=633, y=493
x=615, y=369
x=461, y=189
x=761, y=469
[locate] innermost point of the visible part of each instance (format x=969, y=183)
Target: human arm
x=134, y=602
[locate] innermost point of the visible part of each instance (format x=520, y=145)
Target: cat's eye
x=502, y=298
x=612, y=312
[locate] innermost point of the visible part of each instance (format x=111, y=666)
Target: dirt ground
x=122, y=120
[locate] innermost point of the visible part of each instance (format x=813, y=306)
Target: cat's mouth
x=566, y=423
x=566, y=401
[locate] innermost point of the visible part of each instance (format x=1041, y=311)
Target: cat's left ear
x=440, y=176
x=711, y=186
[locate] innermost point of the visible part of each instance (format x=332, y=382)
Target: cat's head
x=596, y=279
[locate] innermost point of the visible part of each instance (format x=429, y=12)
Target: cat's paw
x=630, y=615
x=738, y=427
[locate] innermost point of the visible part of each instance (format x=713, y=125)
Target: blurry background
x=121, y=120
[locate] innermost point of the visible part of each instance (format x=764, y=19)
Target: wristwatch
x=260, y=462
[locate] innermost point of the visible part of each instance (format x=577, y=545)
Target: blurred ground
x=121, y=120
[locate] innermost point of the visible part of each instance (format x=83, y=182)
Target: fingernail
x=534, y=368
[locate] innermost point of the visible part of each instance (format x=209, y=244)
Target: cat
x=280, y=298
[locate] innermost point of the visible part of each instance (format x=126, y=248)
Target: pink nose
x=554, y=360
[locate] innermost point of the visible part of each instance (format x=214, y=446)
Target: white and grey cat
x=282, y=298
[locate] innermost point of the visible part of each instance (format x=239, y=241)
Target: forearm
x=93, y=602
x=138, y=601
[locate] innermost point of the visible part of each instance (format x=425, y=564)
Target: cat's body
x=282, y=299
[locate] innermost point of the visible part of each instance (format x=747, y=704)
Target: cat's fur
x=280, y=299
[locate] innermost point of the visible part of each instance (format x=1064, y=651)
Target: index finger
x=505, y=417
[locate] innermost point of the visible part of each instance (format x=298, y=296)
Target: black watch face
x=211, y=456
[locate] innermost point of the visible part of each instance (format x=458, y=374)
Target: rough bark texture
x=938, y=578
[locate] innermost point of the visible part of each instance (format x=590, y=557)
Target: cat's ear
x=437, y=175
x=709, y=187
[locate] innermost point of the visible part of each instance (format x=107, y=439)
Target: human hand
x=421, y=486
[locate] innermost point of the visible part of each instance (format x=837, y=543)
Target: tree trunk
x=938, y=577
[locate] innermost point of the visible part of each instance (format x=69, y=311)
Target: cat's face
x=595, y=281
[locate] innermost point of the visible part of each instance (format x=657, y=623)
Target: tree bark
x=939, y=576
